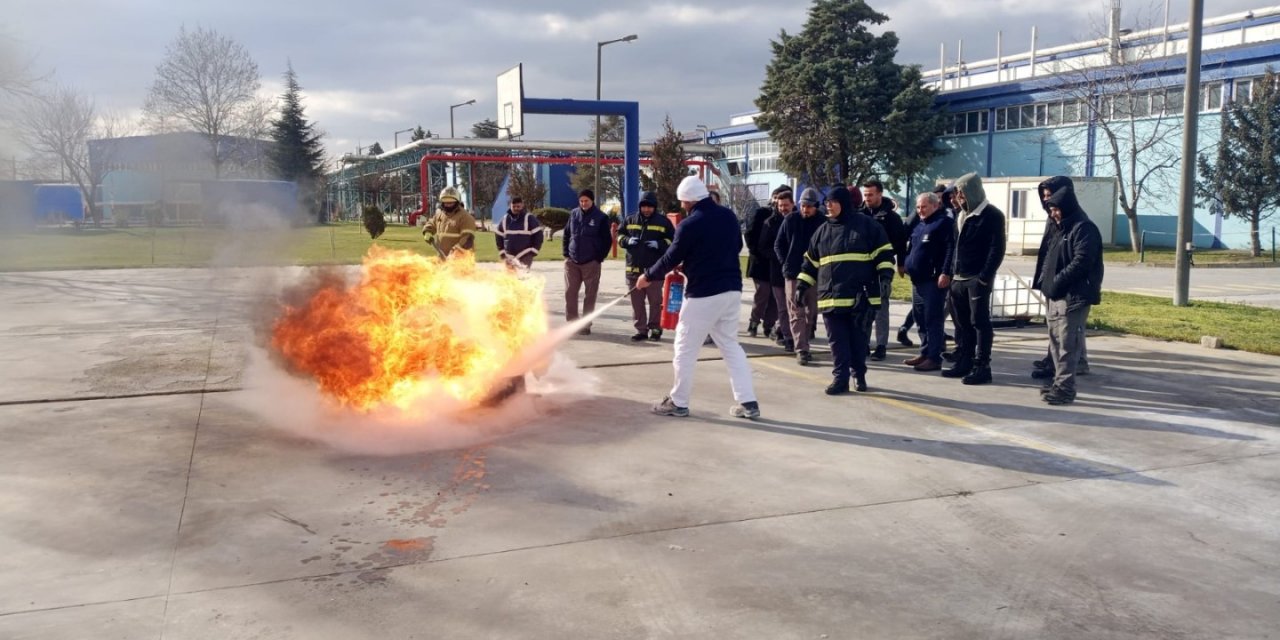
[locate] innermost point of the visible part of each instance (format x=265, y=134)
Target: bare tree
x=59, y=124
x=209, y=83
x=1138, y=128
x=17, y=77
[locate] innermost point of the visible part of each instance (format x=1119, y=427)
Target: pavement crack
x=301, y=525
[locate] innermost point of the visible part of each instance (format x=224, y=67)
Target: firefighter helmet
x=449, y=193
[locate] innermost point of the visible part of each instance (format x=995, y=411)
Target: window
x=1055, y=114
x=1157, y=102
x=1002, y=119
x=1071, y=112
x=764, y=163
x=1042, y=117
x=736, y=150
x=1027, y=116
x=966, y=122
x=764, y=147
x=1212, y=97
x=1018, y=204
x=1243, y=91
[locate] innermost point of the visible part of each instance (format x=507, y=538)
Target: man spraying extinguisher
x=707, y=243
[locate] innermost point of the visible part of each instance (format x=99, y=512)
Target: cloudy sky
x=370, y=68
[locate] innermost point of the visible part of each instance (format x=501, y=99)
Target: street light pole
x=599, y=48
x=451, y=133
x=397, y=136
x=1190, y=130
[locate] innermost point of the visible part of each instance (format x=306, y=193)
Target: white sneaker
x=669, y=408
x=748, y=410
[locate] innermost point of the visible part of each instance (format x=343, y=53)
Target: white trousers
x=718, y=317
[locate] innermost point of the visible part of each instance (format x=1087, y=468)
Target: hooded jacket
x=587, y=237
x=1051, y=186
x=757, y=264
x=637, y=231
x=764, y=246
x=887, y=215
x=1071, y=268
x=847, y=259
x=518, y=236
x=707, y=243
x=981, y=238
x=793, y=239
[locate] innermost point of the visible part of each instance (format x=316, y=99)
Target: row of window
x=755, y=148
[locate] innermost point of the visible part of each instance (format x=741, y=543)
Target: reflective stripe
x=874, y=301
x=529, y=250
x=807, y=278
x=885, y=265
x=853, y=257
x=468, y=232
x=515, y=232
x=811, y=260
x=830, y=303
x=448, y=235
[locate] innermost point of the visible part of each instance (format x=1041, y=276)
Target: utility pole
x=1190, y=130
x=599, y=48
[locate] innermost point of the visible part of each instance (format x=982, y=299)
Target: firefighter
x=850, y=261
x=645, y=236
x=452, y=226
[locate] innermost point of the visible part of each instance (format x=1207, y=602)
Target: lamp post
x=599, y=48
x=397, y=136
x=451, y=133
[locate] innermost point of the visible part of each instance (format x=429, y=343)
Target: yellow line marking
x=930, y=413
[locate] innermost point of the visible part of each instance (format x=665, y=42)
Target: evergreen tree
x=418, y=134
x=1245, y=176
x=668, y=166
x=375, y=149
x=838, y=105
x=297, y=154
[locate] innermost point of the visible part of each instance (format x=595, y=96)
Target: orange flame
x=412, y=328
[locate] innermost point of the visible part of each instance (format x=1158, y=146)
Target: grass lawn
x=1241, y=327
x=109, y=248
x=1166, y=257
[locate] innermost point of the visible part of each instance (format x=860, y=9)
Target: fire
x=413, y=328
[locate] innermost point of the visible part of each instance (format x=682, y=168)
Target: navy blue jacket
x=708, y=243
x=587, y=237
x=931, y=247
x=793, y=241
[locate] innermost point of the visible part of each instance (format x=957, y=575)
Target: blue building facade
x=1043, y=113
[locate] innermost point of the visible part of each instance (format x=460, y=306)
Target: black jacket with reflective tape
x=636, y=227
x=518, y=236
x=846, y=259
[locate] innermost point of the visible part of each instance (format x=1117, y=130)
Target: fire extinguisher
x=613, y=233
x=672, y=299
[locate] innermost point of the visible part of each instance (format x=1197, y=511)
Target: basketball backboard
x=511, y=102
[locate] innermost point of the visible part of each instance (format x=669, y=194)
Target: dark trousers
x=971, y=301
x=651, y=294
x=764, y=307
x=928, y=304
x=910, y=320
x=848, y=333
x=784, y=318
x=576, y=277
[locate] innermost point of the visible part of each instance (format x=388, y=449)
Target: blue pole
x=631, y=159
x=630, y=111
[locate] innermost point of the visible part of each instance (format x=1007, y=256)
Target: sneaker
x=655, y=335
x=979, y=375
x=753, y=329
x=669, y=408
x=879, y=353
x=748, y=410
x=1058, y=396
x=837, y=387
x=860, y=383
x=904, y=339
x=804, y=358
x=911, y=362
x=638, y=337
x=928, y=365
x=1043, y=373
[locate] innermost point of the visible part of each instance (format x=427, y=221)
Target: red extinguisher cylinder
x=672, y=299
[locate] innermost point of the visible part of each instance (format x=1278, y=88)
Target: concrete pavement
x=141, y=501
x=1259, y=286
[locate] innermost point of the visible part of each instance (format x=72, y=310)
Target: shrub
x=374, y=222
x=553, y=218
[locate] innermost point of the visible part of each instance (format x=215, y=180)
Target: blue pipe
x=630, y=111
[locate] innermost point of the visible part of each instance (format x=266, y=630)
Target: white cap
x=692, y=189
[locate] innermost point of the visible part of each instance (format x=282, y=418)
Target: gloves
x=629, y=241
x=652, y=244
x=798, y=296
x=429, y=237
x=886, y=288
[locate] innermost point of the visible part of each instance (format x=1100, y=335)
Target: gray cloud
x=372, y=68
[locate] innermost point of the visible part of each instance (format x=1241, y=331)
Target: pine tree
x=375, y=149
x=668, y=166
x=418, y=134
x=297, y=154
x=839, y=106
x=1245, y=176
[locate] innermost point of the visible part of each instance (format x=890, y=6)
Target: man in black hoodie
x=768, y=238
x=764, y=307
x=980, y=244
x=645, y=236
x=1070, y=276
x=885, y=211
x=1043, y=369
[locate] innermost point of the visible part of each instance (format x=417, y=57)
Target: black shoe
x=959, y=370
x=1043, y=373
x=813, y=333
x=1058, y=396
x=804, y=358
x=1082, y=369
x=585, y=331
x=979, y=375
x=949, y=356
x=753, y=329
x=639, y=337
x=879, y=353
x=655, y=335
x=1043, y=363
x=904, y=339
x=838, y=387
x=789, y=346
x=860, y=383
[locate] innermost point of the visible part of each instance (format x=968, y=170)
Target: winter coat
x=447, y=230
x=1071, y=268
x=931, y=248
x=981, y=237
x=635, y=234
x=793, y=241
x=887, y=215
x=768, y=238
x=757, y=263
x=847, y=259
x=707, y=243
x=587, y=237
x=518, y=237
